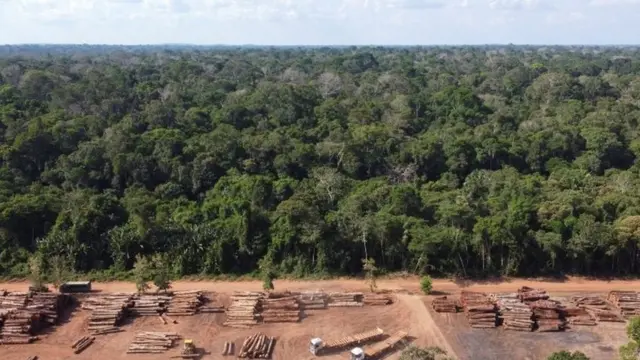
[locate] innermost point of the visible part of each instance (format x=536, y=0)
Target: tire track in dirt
x=423, y=327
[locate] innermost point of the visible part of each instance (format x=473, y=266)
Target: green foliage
x=142, y=273
x=36, y=271
x=371, y=273
x=161, y=273
x=629, y=351
x=565, y=355
x=426, y=284
x=470, y=161
x=413, y=352
x=60, y=269
x=633, y=329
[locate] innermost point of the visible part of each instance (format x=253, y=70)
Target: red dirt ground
x=449, y=332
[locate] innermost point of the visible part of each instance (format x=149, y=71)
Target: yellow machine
x=188, y=348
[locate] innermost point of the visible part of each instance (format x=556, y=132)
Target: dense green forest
x=473, y=161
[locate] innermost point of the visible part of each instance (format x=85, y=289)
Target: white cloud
x=319, y=21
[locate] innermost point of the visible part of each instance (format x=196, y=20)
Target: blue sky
x=320, y=22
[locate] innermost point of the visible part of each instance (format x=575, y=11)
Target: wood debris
x=152, y=342
x=229, y=348
x=527, y=294
x=81, y=344
x=257, y=346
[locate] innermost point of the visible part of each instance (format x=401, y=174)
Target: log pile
x=49, y=305
x=152, y=342
x=286, y=309
x=81, y=344
x=107, y=312
x=185, y=303
x=244, y=309
x=313, y=300
x=548, y=315
x=608, y=314
x=444, y=304
x=149, y=305
x=627, y=301
x=377, y=299
x=513, y=313
x=19, y=326
x=527, y=294
x=337, y=299
x=257, y=346
x=15, y=300
x=479, y=309
x=576, y=315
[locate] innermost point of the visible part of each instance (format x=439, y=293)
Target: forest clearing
x=409, y=311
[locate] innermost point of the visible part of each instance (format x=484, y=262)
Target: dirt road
x=423, y=326
x=406, y=283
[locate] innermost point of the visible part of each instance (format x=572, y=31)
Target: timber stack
x=627, y=301
x=208, y=305
x=548, y=315
x=513, y=313
x=579, y=316
x=149, y=305
x=286, y=309
x=18, y=327
x=49, y=305
x=445, y=304
x=15, y=300
x=152, y=342
x=229, y=349
x=257, y=346
x=313, y=300
x=185, y=303
x=374, y=299
x=479, y=309
x=107, y=312
x=244, y=309
x=337, y=299
x=527, y=294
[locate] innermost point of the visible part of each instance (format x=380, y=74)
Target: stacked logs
x=513, y=314
x=345, y=299
x=377, y=299
x=244, y=309
x=81, y=344
x=107, y=312
x=257, y=346
x=152, y=343
x=49, y=305
x=444, y=304
x=18, y=327
x=14, y=300
x=527, y=294
x=627, y=301
x=576, y=315
x=208, y=307
x=185, y=303
x=284, y=309
x=548, y=315
x=149, y=305
x=313, y=300
x=479, y=309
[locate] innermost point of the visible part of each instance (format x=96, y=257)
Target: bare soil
x=411, y=313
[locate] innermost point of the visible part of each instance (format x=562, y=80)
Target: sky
x=320, y=22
